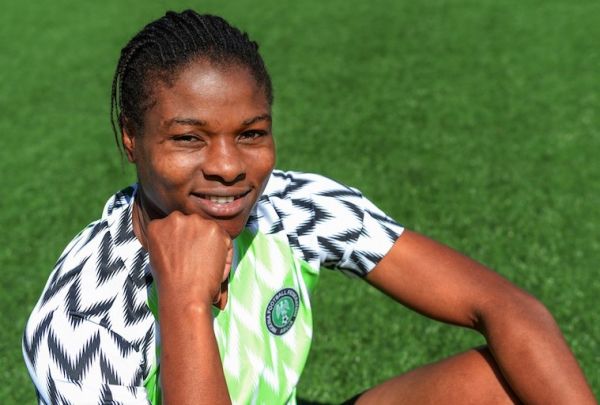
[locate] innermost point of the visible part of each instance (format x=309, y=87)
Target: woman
x=194, y=286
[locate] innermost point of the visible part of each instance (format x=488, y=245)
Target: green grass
x=474, y=122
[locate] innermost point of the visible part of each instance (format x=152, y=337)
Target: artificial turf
x=474, y=122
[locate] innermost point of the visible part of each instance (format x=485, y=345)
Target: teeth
x=220, y=200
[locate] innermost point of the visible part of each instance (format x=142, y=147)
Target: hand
x=190, y=257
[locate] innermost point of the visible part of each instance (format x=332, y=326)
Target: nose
x=223, y=162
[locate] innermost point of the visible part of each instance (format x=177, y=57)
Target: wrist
x=187, y=295
x=185, y=305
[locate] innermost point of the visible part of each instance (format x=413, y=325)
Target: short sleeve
x=353, y=234
x=72, y=360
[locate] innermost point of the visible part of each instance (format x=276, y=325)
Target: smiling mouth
x=222, y=199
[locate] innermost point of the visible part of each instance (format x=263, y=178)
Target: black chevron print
x=107, y=397
x=309, y=224
x=121, y=198
x=339, y=193
x=331, y=248
x=306, y=227
x=303, y=204
x=356, y=211
x=276, y=227
x=321, y=215
x=125, y=231
x=391, y=234
x=138, y=378
x=132, y=313
x=105, y=322
x=373, y=257
x=143, y=346
x=73, y=369
x=263, y=198
x=297, y=184
x=109, y=376
x=281, y=195
x=281, y=214
x=382, y=218
x=55, y=397
x=138, y=276
x=293, y=239
x=96, y=309
x=72, y=303
x=107, y=263
x=96, y=229
x=125, y=347
x=62, y=281
x=294, y=183
x=309, y=254
x=92, y=230
x=347, y=236
x=38, y=335
x=252, y=220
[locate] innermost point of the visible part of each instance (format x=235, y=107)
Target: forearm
x=533, y=356
x=191, y=370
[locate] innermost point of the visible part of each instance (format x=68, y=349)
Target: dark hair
x=165, y=46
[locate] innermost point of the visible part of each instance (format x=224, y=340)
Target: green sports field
x=474, y=122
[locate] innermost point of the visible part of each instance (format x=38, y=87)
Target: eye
x=251, y=135
x=185, y=138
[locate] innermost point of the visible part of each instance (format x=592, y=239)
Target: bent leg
x=467, y=378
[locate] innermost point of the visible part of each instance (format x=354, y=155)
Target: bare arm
x=522, y=335
x=190, y=257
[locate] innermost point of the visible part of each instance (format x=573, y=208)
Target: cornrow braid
x=166, y=45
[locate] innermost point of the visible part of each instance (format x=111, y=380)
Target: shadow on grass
x=350, y=401
x=301, y=401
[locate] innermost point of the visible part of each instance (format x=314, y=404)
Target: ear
x=128, y=140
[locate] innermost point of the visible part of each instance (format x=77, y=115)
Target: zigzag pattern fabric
x=93, y=336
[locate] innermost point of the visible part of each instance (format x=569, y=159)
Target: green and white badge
x=282, y=310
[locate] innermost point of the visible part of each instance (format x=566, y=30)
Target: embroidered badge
x=282, y=310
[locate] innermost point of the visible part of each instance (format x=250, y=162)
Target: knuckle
x=153, y=226
x=176, y=216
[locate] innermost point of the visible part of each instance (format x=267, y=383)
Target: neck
x=141, y=217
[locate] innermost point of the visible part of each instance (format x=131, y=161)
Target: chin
x=232, y=229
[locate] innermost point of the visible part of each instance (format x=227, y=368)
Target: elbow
x=514, y=310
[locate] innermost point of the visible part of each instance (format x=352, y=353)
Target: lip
x=222, y=211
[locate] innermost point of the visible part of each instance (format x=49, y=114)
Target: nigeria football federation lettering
x=281, y=311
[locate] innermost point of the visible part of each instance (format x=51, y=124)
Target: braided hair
x=165, y=46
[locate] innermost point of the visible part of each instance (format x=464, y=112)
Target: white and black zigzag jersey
x=93, y=337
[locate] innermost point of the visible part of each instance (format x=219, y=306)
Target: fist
x=190, y=257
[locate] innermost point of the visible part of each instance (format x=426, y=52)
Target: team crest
x=282, y=310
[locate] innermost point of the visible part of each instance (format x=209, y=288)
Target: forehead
x=209, y=92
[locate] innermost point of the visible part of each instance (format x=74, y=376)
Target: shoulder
x=293, y=184
x=95, y=267
x=93, y=306
x=314, y=197
x=96, y=240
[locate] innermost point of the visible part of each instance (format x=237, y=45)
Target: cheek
x=166, y=173
x=260, y=168
x=263, y=162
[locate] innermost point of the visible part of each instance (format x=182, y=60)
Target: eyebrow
x=200, y=123
x=186, y=121
x=264, y=117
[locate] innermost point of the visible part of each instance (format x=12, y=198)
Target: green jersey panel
x=265, y=330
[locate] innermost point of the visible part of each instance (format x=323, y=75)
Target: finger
x=220, y=299
x=217, y=298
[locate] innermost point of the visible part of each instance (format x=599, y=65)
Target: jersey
x=94, y=335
